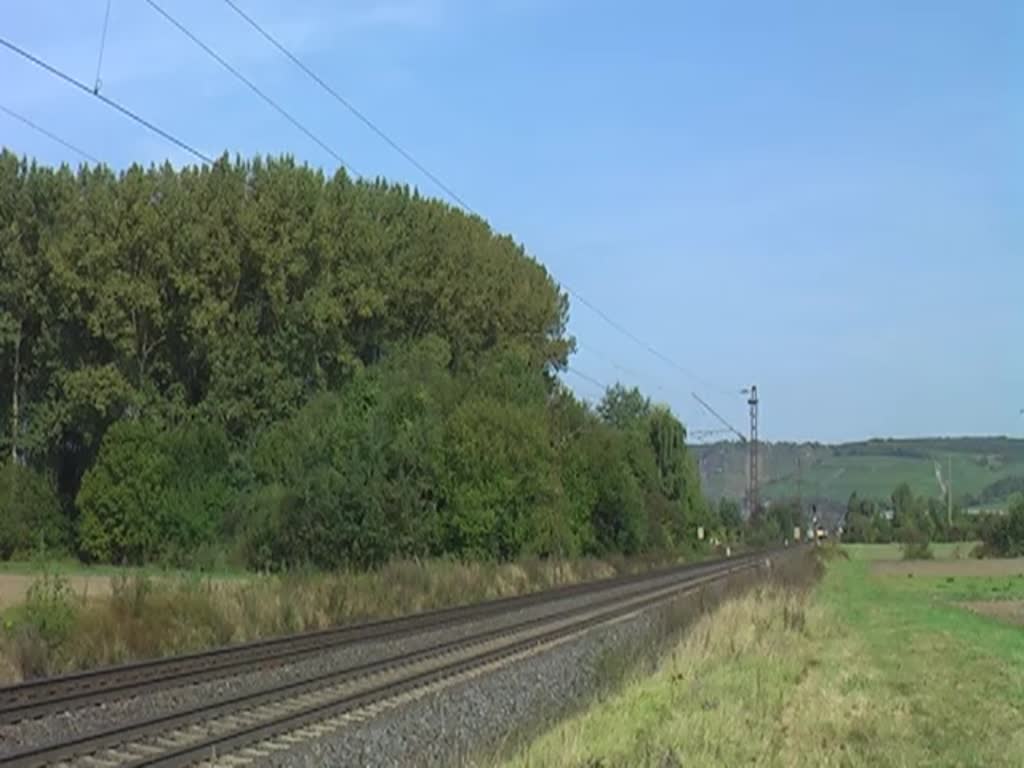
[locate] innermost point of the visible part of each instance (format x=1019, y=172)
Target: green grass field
x=866, y=670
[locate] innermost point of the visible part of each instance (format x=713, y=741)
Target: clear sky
x=824, y=199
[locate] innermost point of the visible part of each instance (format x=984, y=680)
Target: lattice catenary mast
x=753, y=485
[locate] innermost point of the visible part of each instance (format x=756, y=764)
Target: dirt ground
x=1005, y=610
x=971, y=567
x=14, y=586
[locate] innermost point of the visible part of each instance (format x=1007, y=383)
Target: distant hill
x=986, y=470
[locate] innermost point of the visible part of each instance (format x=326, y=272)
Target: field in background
x=87, y=581
x=868, y=670
x=883, y=552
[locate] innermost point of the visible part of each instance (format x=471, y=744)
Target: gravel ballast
x=447, y=727
x=454, y=725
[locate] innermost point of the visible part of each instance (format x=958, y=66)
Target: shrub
x=1003, y=536
x=915, y=545
x=30, y=514
x=122, y=495
x=154, y=493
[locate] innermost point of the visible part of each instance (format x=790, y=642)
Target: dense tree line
x=774, y=523
x=915, y=520
x=257, y=358
x=905, y=516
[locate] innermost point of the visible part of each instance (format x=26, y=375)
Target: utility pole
x=949, y=493
x=800, y=483
x=753, y=487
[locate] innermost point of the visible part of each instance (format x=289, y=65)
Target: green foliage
x=730, y=516
x=154, y=493
x=915, y=545
x=1003, y=535
x=412, y=459
x=624, y=408
x=122, y=496
x=499, y=466
x=355, y=477
x=303, y=369
x=617, y=516
x=240, y=290
x=903, y=515
x=30, y=513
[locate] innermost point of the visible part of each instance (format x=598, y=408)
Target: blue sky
x=825, y=199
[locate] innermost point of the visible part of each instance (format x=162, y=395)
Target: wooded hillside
x=986, y=471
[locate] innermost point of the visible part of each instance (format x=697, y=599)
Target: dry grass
x=145, y=617
x=972, y=567
x=14, y=587
x=950, y=550
x=1011, y=611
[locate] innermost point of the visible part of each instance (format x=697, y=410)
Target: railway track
x=37, y=698
x=240, y=724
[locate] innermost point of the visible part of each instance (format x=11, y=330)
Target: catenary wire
x=586, y=377
x=455, y=197
x=252, y=86
x=53, y=70
x=103, y=46
x=349, y=106
x=49, y=134
x=106, y=100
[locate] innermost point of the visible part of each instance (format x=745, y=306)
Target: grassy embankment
x=868, y=669
x=72, y=618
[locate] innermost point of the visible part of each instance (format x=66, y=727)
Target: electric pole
x=800, y=483
x=949, y=493
x=753, y=486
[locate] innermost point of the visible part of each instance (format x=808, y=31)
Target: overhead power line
x=281, y=110
x=720, y=418
x=586, y=377
x=444, y=187
x=103, y=46
x=349, y=106
x=636, y=376
x=251, y=85
x=620, y=368
x=48, y=134
x=108, y=101
x=637, y=340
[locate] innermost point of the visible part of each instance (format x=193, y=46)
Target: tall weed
x=148, y=616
